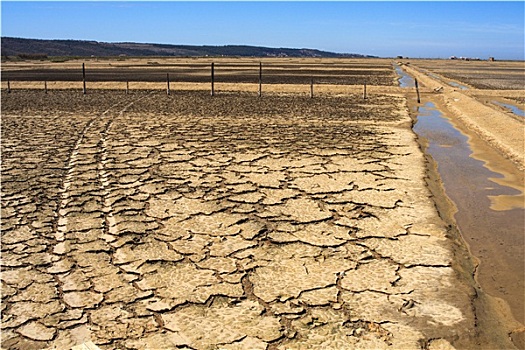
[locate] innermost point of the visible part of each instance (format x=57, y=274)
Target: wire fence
x=212, y=73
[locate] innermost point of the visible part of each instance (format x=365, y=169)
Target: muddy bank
x=494, y=230
x=490, y=218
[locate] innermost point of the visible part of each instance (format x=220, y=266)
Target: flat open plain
x=147, y=220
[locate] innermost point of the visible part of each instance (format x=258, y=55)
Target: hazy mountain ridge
x=20, y=46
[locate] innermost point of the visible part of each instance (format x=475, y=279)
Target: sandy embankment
x=501, y=131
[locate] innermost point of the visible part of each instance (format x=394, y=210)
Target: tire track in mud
x=84, y=216
x=74, y=159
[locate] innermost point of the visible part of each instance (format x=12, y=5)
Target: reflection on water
x=514, y=109
x=462, y=87
x=490, y=206
x=405, y=80
x=458, y=168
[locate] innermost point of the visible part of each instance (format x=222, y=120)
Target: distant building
x=491, y=59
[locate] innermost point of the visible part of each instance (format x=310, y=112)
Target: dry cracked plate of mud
x=151, y=221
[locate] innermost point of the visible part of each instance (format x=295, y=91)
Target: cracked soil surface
x=233, y=222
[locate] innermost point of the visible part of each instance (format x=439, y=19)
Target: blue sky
x=386, y=29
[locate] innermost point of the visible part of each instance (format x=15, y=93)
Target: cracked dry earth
x=152, y=221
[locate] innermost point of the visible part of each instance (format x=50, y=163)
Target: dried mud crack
x=184, y=221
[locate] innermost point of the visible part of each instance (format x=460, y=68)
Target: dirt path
x=196, y=222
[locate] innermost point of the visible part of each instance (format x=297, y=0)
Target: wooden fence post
x=311, y=87
x=45, y=86
x=8, y=87
x=127, y=87
x=364, y=91
x=260, y=79
x=417, y=91
x=83, y=78
x=168, y=79
x=212, y=79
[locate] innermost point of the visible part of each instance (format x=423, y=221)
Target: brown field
x=275, y=71
x=505, y=75
x=147, y=220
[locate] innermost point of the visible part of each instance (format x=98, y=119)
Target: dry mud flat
x=152, y=221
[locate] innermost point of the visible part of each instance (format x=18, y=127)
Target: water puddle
x=450, y=148
x=490, y=211
x=462, y=87
x=514, y=109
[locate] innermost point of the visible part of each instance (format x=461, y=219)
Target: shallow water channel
x=454, y=84
x=514, y=109
x=405, y=80
x=490, y=213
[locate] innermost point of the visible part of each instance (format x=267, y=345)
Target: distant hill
x=37, y=47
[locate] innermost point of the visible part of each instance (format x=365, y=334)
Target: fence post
x=212, y=79
x=168, y=79
x=45, y=86
x=127, y=87
x=260, y=79
x=364, y=91
x=83, y=78
x=311, y=87
x=8, y=87
x=417, y=91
